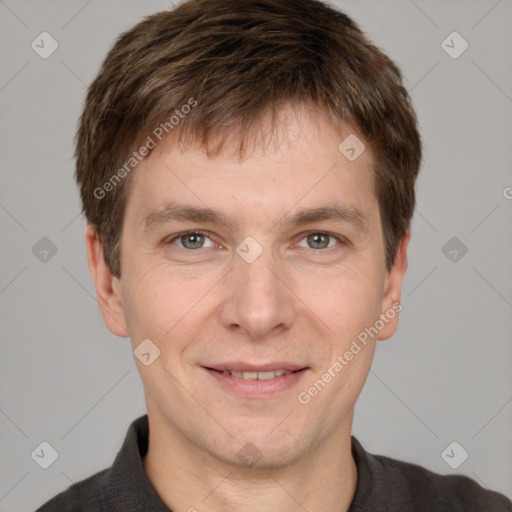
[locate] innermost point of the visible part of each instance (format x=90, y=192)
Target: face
x=275, y=262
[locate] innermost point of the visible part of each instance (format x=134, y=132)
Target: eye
x=191, y=240
x=321, y=240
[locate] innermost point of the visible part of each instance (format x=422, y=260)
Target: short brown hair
x=240, y=60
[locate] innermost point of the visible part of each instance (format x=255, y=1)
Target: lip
x=255, y=388
x=241, y=366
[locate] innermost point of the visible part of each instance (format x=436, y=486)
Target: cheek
x=346, y=299
x=157, y=301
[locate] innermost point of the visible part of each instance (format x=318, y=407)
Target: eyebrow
x=335, y=212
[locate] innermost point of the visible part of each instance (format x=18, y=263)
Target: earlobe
x=107, y=291
x=391, y=305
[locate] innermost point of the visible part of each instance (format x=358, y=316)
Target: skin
x=299, y=301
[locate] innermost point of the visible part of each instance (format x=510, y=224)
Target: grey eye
x=192, y=240
x=318, y=240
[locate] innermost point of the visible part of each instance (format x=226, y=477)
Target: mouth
x=251, y=381
x=256, y=375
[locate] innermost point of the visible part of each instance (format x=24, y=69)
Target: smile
x=256, y=375
x=256, y=384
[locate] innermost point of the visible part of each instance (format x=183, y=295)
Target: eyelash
x=341, y=240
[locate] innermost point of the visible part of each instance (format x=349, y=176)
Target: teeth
x=266, y=375
x=256, y=375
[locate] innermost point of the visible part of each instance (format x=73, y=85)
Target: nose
x=259, y=299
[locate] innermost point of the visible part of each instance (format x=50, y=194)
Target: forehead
x=305, y=161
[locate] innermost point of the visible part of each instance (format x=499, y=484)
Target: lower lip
x=255, y=388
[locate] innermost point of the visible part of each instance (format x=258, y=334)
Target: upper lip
x=240, y=366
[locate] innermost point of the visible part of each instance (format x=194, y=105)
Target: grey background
x=445, y=376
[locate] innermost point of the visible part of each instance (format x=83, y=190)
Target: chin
x=260, y=452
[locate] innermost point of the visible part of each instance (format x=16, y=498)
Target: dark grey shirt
x=384, y=485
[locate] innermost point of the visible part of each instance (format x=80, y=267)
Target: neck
x=188, y=478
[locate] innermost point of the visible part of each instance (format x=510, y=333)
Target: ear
x=107, y=286
x=391, y=305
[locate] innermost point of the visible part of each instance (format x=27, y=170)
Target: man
x=247, y=171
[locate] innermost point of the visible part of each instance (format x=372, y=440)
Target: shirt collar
x=126, y=486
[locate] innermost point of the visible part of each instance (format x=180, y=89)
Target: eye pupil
x=195, y=245
x=316, y=237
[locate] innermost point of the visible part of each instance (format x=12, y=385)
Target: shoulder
x=389, y=484
x=426, y=490
x=84, y=496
